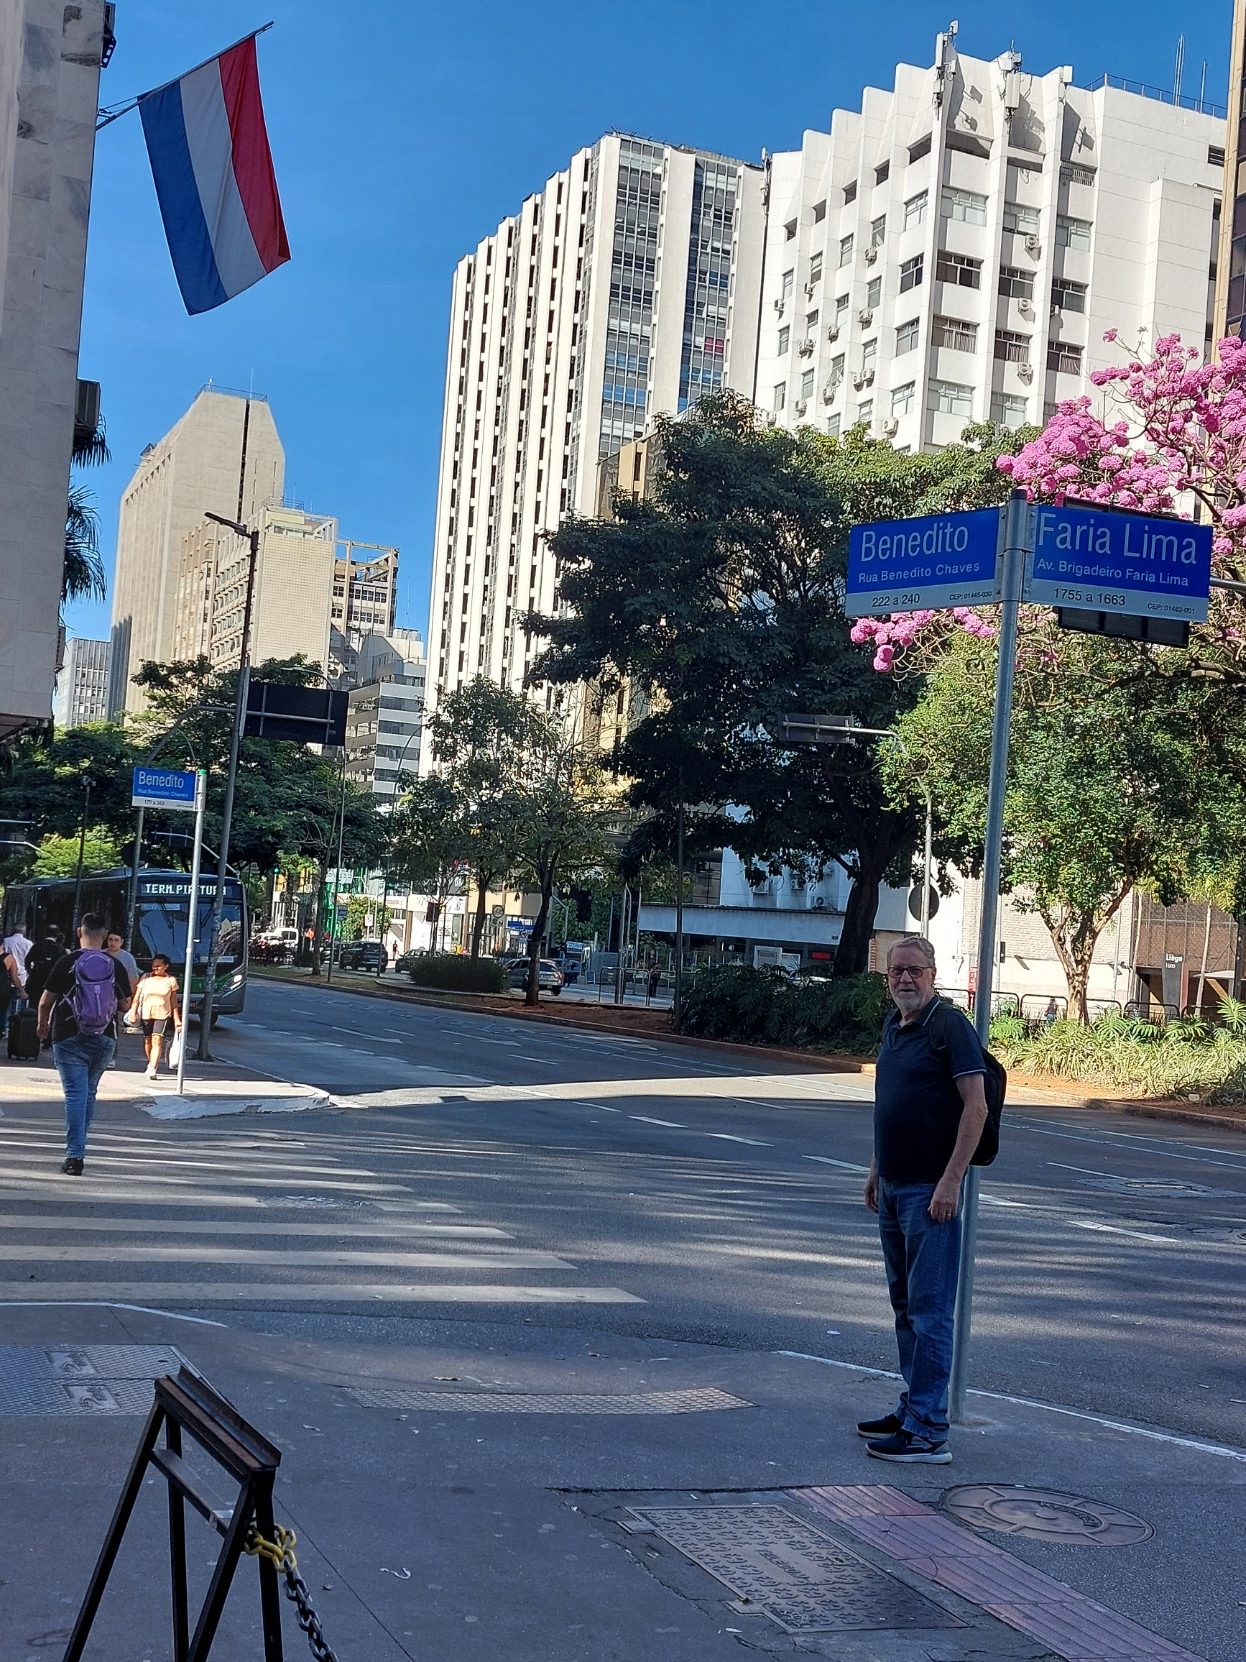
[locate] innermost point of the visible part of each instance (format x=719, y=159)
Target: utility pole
x=231, y=779
x=87, y=782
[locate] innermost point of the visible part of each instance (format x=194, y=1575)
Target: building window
x=873, y=293
x=815, y=266
x=911, y=273
x=780, y=398
x=845, y=251
x=865, y=412
x=850, y=193
x=811, y=322
x=1071, y=174
x=806, y=385
x=1015, y=284
x=832, y=426
x=1012, y=348
x=789, y=277
x=869, y=354
x=1215, y=155
x=819, y=211
x=902, y=398
x=915, y=209
x=960, y=269
x=882, y=173
x=949, y=398
x=789, y=230
x=1067, y=359
x=907, y=336
x=785, y=338
x=966, y=205
x=920, y=149
x=1067, y=296
x=1024, y=221
x=955, y=333
x=841, y=306
x=1072, y=233
x=837, y=372
x=878, y=230
x=1008, y=409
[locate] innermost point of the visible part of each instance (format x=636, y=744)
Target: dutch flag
x=214, y=178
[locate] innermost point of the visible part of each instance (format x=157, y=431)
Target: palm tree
x=83, y=577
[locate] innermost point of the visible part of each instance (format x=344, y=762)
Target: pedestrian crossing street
x=185, y=1218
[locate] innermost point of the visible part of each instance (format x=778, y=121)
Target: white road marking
x=541, y=1061
x=726, y=1137
x=825, y=1160
x=1151, y=1145
x=245, y=1292
x=1112, y=1229
x=600, y=1106
x=671, y=1125
x=1089, y=1171
x=1170, y=1437
x=205, y=1252
x=103, y=1304
x=334, y=1227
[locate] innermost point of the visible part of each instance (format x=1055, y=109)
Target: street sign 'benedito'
x=163, y=788
x=941, y=560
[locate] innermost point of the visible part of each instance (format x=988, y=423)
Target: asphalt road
x=491, y=1171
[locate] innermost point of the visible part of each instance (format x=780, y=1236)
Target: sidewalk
x=473, y=1492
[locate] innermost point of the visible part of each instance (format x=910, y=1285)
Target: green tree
x=58, y=856
x=1123, y=772
x=719, y=602
x=82, y=577
x=426, y=849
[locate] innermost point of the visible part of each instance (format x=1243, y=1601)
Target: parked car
x=364, y=955
x=404, y=963
x=549, y=977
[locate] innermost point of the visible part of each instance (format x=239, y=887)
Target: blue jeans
x=923, y=1263
x=80, y=1061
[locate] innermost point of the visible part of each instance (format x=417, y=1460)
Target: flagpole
x=106, y=116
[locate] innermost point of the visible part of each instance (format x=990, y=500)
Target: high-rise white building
x=82, y=683
x=626, y=288
x=50, y=60
x=955, y=250
x=385, y=712
x=224, y=450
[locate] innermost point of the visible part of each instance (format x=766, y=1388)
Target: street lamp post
x=87, y=782
x=252, y=537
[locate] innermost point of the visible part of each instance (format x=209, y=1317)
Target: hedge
x=766, y=1006
x=452, y=972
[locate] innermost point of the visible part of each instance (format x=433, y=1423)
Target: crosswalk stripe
x=134, y=1225
x=197, y=1292
x=507, y=1258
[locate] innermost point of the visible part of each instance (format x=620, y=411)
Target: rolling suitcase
x=23, y=1035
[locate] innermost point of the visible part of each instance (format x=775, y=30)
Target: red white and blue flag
x=214, y=178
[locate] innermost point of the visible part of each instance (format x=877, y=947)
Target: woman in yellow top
x=155, y=1006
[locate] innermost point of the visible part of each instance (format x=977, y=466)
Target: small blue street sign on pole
x=1133, y=564
x=907, y=565
x=163, y=788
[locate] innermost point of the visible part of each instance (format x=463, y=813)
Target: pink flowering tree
x=1169, y=431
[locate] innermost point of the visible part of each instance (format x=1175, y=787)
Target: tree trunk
x=478, y=922
x=322, y=877
x=533, y=994
x=852, y=955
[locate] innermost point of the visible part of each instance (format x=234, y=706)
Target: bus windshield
x=160, y=926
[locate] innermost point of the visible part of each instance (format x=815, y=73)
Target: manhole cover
x=515, y=1402
x=1163, y=1186
x=39, y=1381
x=1045, y=1515
x=780, y=1567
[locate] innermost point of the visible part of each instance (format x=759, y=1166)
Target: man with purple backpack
x=79, y=1005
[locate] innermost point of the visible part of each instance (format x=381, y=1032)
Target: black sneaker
x=911, y=1450
x=886, y=1427
x=72, y=1167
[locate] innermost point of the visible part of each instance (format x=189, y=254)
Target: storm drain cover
x=515, y=1402
x=1045, y=1515
x=1162, y=1186
x=780, y=1567
x=39, y=1381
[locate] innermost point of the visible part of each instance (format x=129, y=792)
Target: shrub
x=765, y=1006
x=1191, y=1057
x=453, y=973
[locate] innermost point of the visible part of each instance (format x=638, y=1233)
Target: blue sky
x=402, y=133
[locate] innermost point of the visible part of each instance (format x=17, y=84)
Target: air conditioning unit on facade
x=1026, y=308
x=871, y=254
x=801, y=406
x=867, y=375
x=810, y=289
x=858, y=381
x=1033, y=246
x=829, y=391
x=833, y=332
x=779, y=305
x=891, y=427
x=865, y=317
x=805, y=347
x=1026, y=371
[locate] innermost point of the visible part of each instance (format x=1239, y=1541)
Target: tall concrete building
x=385, y=713
x=224, y=455
x=364, y=603
x=626, y=288
x=82, y=683
x=50, y=60
x=1231, y=291
x=955, y=250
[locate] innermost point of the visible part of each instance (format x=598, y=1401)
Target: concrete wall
x=49, y=85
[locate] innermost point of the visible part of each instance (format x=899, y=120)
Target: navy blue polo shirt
x=917, y=1106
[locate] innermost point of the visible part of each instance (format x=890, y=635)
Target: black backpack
x=995, y=1084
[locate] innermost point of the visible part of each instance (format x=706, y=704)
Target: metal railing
x=1180, y=100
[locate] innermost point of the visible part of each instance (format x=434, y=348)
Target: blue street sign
x=1133, y=564
x=163, y=788
x=908, y=565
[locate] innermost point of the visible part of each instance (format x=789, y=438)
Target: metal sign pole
x=192, y=919
x=1018, y=545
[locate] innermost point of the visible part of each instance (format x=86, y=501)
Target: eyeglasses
x=897, y=972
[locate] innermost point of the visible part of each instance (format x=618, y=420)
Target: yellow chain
x=279, y=1553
